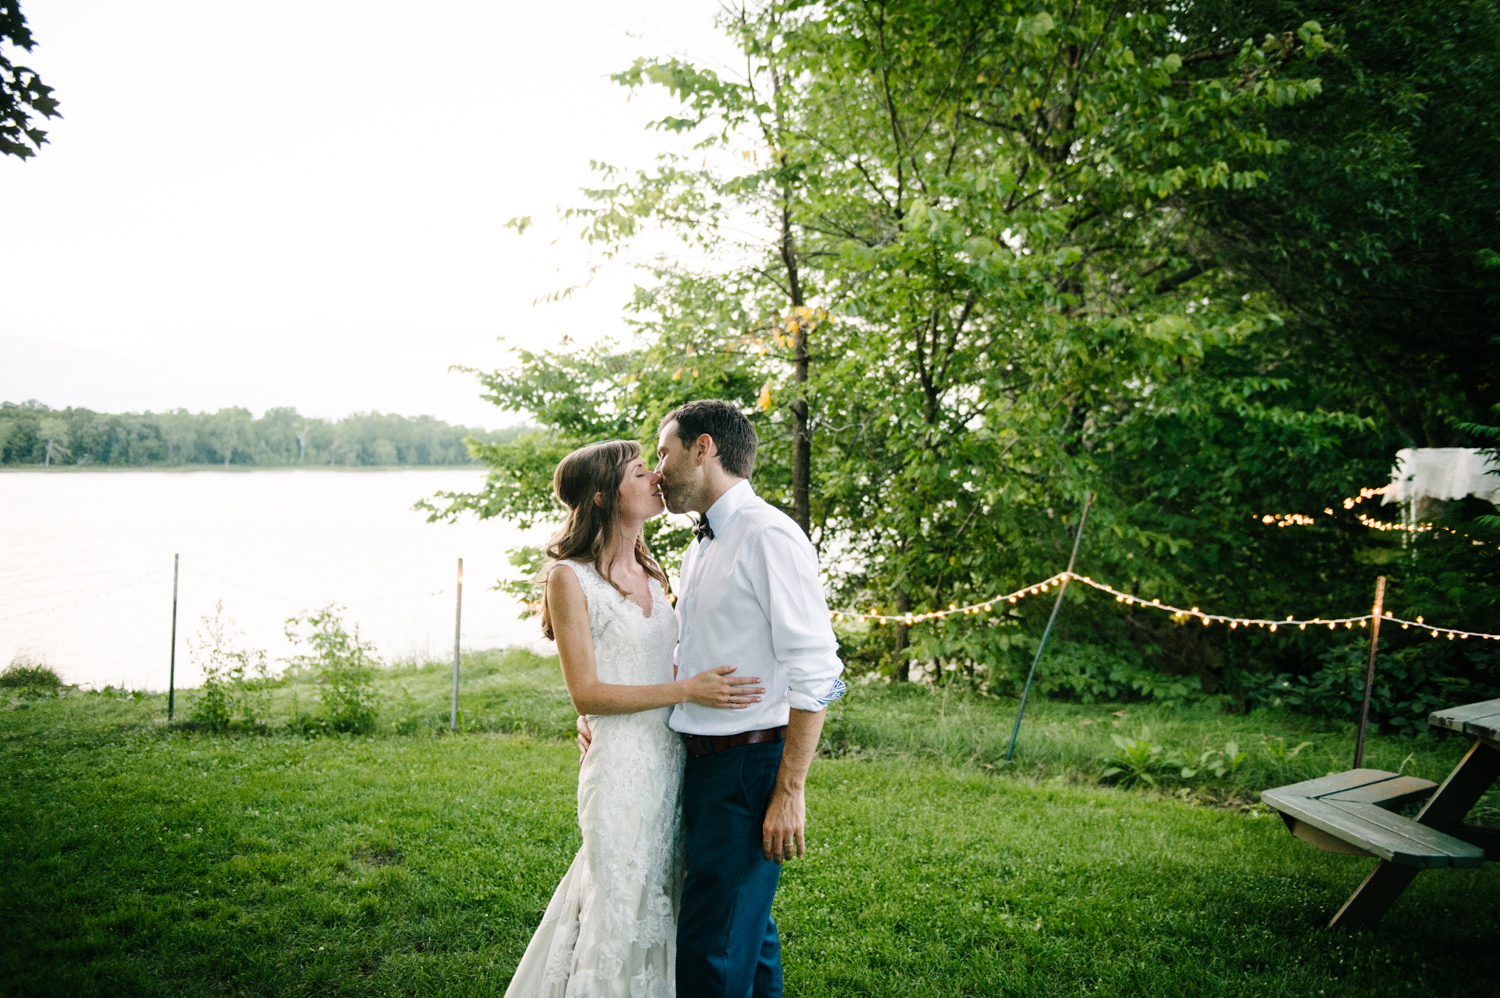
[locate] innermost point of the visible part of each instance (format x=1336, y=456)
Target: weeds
x=1138, y=760
x=234, y=679
x=1135, y=760
x=1277, y=747
x=344, y=666
x=27, y=674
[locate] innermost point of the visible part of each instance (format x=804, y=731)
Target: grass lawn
x=144, y=859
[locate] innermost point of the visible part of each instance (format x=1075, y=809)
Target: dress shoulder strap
x=589, y=579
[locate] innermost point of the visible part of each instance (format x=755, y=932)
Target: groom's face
x=681, y=472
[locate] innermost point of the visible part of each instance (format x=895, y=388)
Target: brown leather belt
x=701, y=745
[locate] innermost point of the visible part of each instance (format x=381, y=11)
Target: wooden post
x=172, y=662
x=1072, y=560
x=1364, y=710
x=458, y=618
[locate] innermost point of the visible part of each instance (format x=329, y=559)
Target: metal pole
x=458, y=619
x=1077, y=538
x=172, y=668
x=1364, y=709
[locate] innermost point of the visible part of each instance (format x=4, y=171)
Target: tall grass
x=1073, y=741
x=25, y=672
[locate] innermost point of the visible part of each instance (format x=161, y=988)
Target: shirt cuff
x=811, y=704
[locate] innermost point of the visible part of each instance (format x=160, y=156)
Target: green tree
x=53, y=434
x=977, y=214
x=9, y=434
x=1378, y=232
x=23, y=95
x=228, y=430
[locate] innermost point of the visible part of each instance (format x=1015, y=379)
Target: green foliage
x=1278, y=749
x=344, y=666
x=1221, y=762
x=1135, y=759
x=31, y=433
x=1001, y=258
x=525, y=589
x=22, y=92
x=25, y=673
x=1375, y=230
x=234, y=679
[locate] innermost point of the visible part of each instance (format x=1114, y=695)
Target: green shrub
x=344, y=667
x=1410, y=682
x=234, y=680
x=25, y=672
x=1136, y=760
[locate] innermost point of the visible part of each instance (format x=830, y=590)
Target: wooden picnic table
x=1352, y=813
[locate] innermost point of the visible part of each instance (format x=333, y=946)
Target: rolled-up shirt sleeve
x=786, y=584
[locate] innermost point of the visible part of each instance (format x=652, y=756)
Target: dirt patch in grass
x=379, y=857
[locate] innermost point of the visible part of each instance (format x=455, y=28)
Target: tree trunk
x=903, y=664
x=801, y=437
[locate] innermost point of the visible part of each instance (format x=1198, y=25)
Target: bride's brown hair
x=588, y=483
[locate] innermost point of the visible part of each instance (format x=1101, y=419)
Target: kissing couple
x=698, y=723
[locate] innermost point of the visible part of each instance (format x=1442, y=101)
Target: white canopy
x=1443, y=473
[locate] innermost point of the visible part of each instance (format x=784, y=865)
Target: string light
x=1287, y=519
x=1364, y=494
x=1303, y=520
x=1416, y=528
x=986, y=606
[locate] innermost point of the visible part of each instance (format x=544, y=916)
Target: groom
x=750, y=598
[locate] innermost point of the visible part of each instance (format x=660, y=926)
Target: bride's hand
x=715, y=688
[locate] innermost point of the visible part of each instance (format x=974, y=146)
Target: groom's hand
x=585, y=736
x=782, y=833
x=781, y=836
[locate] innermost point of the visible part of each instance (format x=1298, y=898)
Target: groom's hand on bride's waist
x=585, y=735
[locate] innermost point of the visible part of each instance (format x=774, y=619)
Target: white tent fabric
x=1443, y=473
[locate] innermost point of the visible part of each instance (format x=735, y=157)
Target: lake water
x=86, y=565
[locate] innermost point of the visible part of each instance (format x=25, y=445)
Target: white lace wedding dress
x=610, y=930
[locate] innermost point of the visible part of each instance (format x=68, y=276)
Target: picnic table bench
x=1353, y=813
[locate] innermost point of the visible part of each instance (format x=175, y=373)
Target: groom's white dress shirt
x=751, y=598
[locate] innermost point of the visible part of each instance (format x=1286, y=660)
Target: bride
x=611, y=926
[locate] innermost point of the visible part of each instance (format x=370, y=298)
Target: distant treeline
x=34, y=434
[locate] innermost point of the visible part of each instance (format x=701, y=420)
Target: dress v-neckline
x=645, y=614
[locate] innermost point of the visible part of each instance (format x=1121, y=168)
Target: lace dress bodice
x=610, y=929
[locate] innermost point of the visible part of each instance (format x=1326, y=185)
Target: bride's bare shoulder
x=564, y=585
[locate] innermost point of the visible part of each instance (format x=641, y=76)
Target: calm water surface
x=86, y=565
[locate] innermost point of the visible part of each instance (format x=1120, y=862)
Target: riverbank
x=148, y=859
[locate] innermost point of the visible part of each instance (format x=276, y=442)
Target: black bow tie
x=701, y=529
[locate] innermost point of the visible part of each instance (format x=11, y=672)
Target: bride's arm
x=575, y=647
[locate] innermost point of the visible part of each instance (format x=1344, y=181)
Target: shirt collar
x=728, y=504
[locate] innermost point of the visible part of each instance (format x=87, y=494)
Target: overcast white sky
x=301, y=203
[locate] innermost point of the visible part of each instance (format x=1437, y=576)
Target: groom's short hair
x=732, y=433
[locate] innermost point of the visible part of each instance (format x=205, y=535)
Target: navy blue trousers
x=727, y=945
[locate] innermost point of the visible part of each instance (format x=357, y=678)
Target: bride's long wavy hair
x=589, y=472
